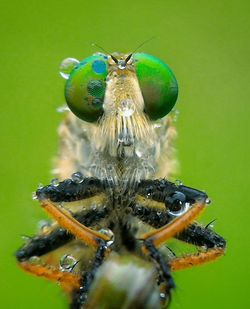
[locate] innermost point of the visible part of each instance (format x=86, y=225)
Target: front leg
x=79, y=295
x=156, y=238
x=71, y=225
x=70, y=191
x=158, y=202
x=165, y=279
x=178, y=216
x=200, y=236
x=171, y=194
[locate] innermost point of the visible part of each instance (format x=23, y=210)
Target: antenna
x=143, y=43
x=113, y=57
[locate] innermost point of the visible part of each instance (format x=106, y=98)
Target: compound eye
x=158, y=85
x=176, y=204
x=85, y=87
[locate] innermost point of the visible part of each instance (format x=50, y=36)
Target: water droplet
x=122, y=64
x=140, y=149
x=126, y=108
x=203, y=248
x=26, y=238
x=183, y=208
x=107, y=232
x=40, y=186
x=138, y=153
x=34, y=196
x=67, y=66
x=62, y=109
x=54, y=182
x=125, y=139
x=176, y=115
x=35, y=260
x=162, y=296
x=77, y=177
x=44, y=226
x=178, y=182
x=61, y=205
x=157, y=125
x=67, y=263
x=208, y=201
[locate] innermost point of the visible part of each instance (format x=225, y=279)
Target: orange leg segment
x=195, y=259
x=160, y=236
x=68, y=281
x=65, y=220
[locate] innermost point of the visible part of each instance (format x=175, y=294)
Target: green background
x=206, y=43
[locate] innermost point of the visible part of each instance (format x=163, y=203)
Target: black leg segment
x=200, y=236
x=168, y=192
x=43, y=244
x=79, y=297
x=69, y=191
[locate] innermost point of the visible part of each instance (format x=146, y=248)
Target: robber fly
x=113, y=205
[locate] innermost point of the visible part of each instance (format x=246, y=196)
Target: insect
x=113, y=206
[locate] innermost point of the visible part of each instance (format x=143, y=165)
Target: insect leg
x=160, y=236
x=165, y=192
x=46, y=243
x=42, y=244
x=165, y=278
x=151, y=212
x=80, y=231
x=195, y=234
x=67, y=280
x=156, y=238
x=57, y=237
x=68, y=191
x=79, y=295
x=200, y=236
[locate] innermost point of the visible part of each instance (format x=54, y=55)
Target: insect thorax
x=80, y=151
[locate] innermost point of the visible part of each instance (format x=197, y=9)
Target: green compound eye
x=158, y=85
x=85, y=87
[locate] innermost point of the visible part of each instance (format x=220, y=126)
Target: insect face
x=86, y=85
x=122, y=94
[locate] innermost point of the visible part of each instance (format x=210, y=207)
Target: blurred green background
x=206, y=43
